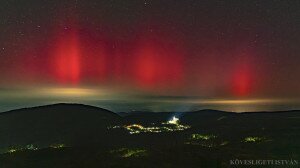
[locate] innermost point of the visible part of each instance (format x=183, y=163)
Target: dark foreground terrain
x=72, y=135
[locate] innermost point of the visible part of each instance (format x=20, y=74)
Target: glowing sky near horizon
x=212, y=50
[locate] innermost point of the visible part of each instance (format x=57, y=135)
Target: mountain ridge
x=79, y=105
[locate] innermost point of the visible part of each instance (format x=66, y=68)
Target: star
x=146, y=3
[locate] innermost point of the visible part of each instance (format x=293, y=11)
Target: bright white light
x=174, y=120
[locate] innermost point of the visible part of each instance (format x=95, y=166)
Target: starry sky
x=156, y=55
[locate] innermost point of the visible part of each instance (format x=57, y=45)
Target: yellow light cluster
x=202, y=137
x=12, y=150
x=254, y=139
x=58, y=146
x=129, y=152
x=31, y=147
x=163, y=127
x=205, y=140
x=169, y=126
x=27, y=147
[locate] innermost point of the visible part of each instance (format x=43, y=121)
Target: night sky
x=157, y=55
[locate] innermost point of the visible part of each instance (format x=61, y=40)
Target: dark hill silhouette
x=65, y=123
x=214, y=137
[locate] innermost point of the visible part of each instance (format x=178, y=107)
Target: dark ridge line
x=146, y=112
x=268, y=112
x=212, y=111
x=57, y=105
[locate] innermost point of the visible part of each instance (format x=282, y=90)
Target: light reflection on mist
x=243, y=105
x=126, y=102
